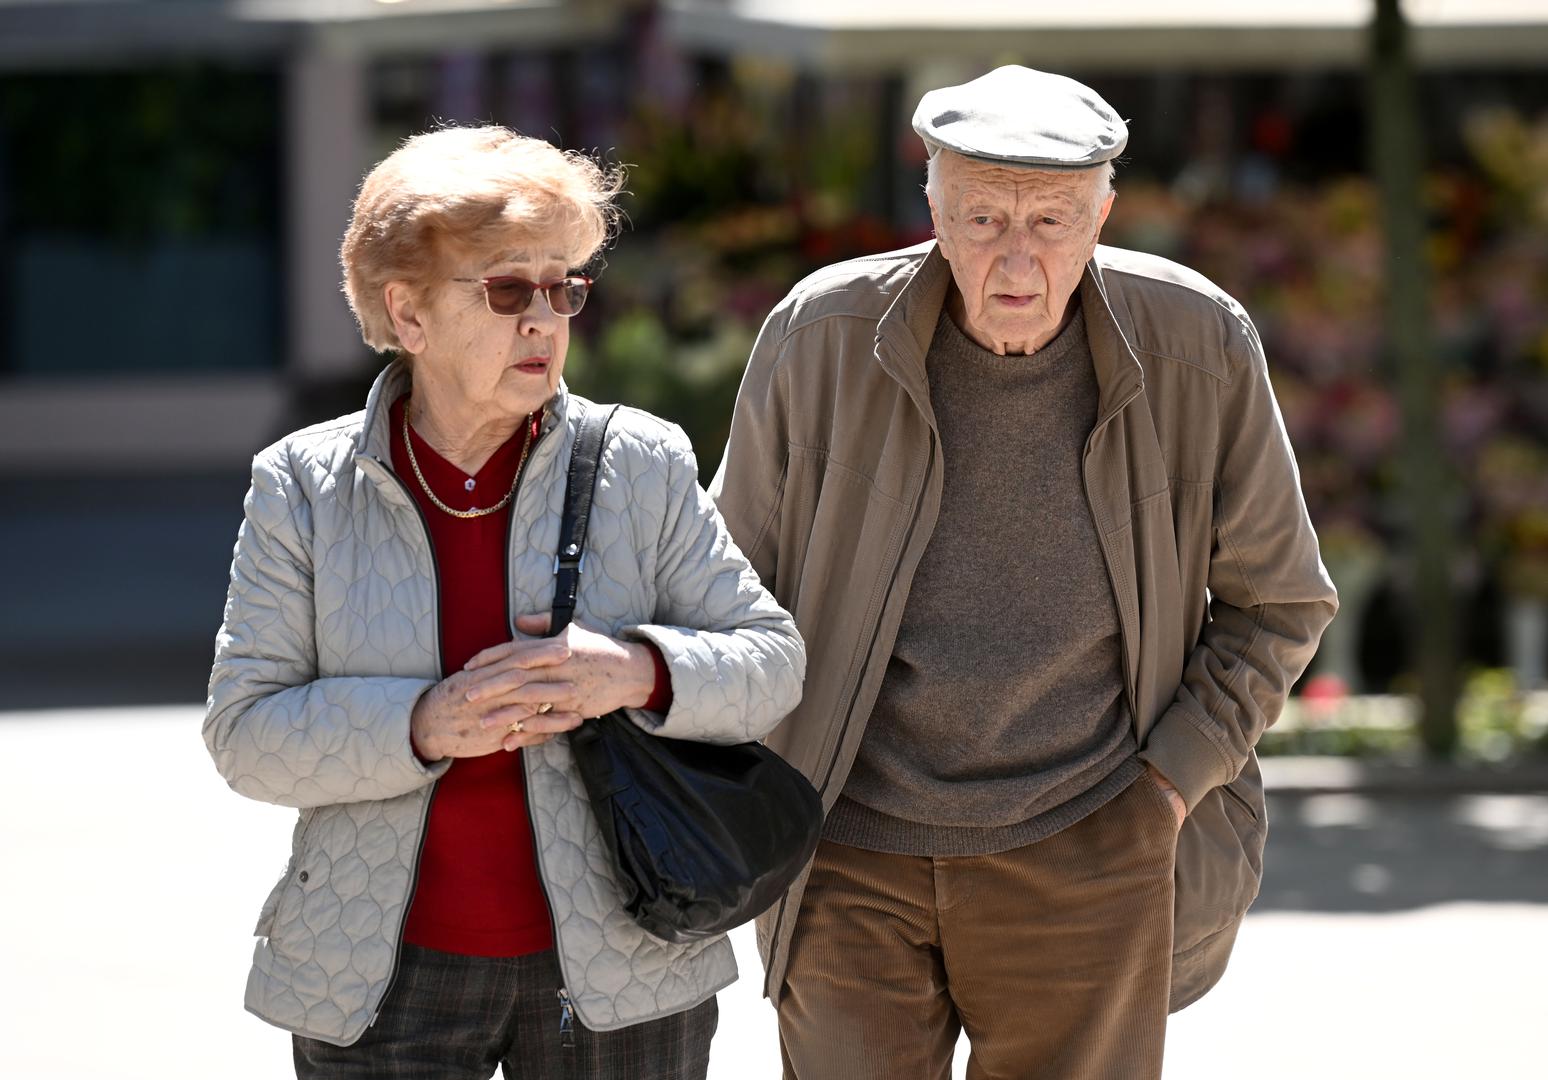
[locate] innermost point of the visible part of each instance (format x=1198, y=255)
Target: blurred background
x=1370, y=180
x=175, y=176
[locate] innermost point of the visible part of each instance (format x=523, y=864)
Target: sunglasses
x=511, y=296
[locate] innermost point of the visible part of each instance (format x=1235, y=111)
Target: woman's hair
x=463, y=189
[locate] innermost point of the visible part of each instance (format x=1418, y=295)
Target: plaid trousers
x=452, y=1017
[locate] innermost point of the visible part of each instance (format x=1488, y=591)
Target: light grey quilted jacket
x=330, y=636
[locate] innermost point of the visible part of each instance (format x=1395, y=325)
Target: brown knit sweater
x=1001, y=719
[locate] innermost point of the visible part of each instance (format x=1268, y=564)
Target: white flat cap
x=1022, y=117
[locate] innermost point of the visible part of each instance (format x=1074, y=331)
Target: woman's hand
x=596, y=675
x=463, y=715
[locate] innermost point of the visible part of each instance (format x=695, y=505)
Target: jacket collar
x=375, y=437
x=1108, y=330
x=374, y=441
x=907, y=327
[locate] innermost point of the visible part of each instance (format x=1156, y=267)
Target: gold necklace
x=476, y=512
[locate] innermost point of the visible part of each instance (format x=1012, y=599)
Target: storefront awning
x=876, y=35
x=62, y=33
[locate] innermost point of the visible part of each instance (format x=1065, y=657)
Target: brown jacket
x=831, y=484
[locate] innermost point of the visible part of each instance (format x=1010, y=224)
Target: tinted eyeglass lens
x=568, y=296
x=509, y=296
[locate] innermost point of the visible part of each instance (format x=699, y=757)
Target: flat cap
x=1022, y=117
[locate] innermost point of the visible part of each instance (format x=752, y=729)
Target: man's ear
x=935, y=223
x=1101, y=219
x=404, y=310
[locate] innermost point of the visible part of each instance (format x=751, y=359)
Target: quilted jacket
x=330, y=636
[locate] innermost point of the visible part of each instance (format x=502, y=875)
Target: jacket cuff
x=434, y=769
x=660, y=641
x=660, y=700
x=1191, y=760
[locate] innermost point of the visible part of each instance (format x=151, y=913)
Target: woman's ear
x=404, y=310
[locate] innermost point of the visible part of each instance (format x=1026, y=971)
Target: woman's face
x=484, y=364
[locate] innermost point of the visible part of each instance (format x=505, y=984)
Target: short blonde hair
x=467, y=188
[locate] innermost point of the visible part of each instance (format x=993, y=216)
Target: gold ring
x=516, y=728
x=547, y=706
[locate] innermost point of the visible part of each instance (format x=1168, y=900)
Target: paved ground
x=1401, y=934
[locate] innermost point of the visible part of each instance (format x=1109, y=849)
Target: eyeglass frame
x=537, y=288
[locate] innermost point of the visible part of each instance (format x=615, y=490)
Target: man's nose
x=1018, y=253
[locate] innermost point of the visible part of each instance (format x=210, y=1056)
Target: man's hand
x=596, y=674
x=1173, y=796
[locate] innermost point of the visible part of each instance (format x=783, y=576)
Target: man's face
x=1018, y=241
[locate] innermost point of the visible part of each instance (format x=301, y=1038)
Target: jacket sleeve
x=749, y=486
x=277, y=732
x=735, y=658
x=1270, y=597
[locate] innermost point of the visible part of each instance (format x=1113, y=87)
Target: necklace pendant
x=468, y=484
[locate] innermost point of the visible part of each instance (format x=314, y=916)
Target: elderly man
x=1032, y=504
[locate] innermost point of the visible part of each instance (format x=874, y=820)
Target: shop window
x=139, y=222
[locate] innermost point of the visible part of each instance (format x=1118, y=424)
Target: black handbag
x=702, y=837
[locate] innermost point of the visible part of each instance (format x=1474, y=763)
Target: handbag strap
x=580, y=486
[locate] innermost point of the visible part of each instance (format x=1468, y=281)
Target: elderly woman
x=383, y=667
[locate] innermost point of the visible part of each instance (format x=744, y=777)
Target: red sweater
x=478, y=892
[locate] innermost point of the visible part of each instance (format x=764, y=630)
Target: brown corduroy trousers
x=1054, y=957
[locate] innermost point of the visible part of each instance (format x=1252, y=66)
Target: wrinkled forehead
x=508, y=250
x=964, y=176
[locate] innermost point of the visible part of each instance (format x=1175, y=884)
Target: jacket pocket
x=270, y=909
x=1240, y=800
x=265, y=925
x=1220, y=858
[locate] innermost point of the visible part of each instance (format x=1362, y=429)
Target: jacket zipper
x=566, y=1007
x=876, y=630
x=1130, y=675
x=779, y=916
x=440, y=664
x=849, y=715
x=440, y=670
x=566, y=1020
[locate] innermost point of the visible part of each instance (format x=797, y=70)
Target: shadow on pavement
x=1354, y=852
